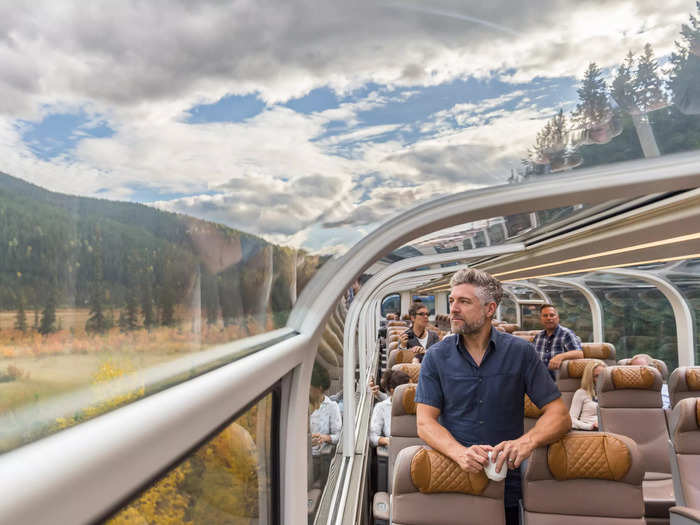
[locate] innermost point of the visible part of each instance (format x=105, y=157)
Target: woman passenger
x=380, y=426
x=584, y=405
x=324, y=422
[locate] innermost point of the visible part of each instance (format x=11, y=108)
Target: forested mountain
x=62, y=250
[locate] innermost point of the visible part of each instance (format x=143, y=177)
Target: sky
x=307, y=123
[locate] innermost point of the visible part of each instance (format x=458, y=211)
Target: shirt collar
x=493, y=339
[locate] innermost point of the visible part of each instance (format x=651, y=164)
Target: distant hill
x=70, y=250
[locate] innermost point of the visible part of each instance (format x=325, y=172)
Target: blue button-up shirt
x=562, y=340
x=484, y=405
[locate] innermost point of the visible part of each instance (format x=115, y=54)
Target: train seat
x=685, y=450
x=603, y=351
x=683, y=383
x=657, y=363
x=584, y=478
x=528, y=335
x=411, y=369
x=569, y=378
x=404, y=429
x=397, y=357
x=429, y=488
x=509, y=327
x=629, y=403
x=532, y=414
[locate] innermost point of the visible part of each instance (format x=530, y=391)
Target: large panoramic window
x=229, y=479
x=162, y=196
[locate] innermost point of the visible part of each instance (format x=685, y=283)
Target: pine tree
x=594, y=106
x=131, y=310
x=622, y=89
x=21, y=320
x=48, y=315
x=684, y=78
x=97, y=322
x=647, y=84
x=147, y=300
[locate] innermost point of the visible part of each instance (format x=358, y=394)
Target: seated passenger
x=418, y=338
x=417, y=359
x=324, y=422
x=584, y=405
x=645, y=360
x=374, y=389
x=380, y=426
x=555, y=343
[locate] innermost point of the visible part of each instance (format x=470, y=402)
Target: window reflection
x=227, y=480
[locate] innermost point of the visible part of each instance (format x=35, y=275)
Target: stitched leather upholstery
x=410, y=369
x=596, y=456
x=637, y=377
x=409, y=399
x=692, y=378
x=431, y=472
x=597, y=350
x=531, y=409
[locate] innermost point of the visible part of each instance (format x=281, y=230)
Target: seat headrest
x=410, y=369
x=596, y=456
x=638, y=377
x=684, y=382
x=598, y=350
x=574, y=368
x=432, y=473
x=531, y=409
x=393, y=345
x=401, y=356
x=629, y=387
x=404, y=400
x=685, y=426
x=656, y=363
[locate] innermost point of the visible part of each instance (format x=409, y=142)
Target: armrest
x=685, y=516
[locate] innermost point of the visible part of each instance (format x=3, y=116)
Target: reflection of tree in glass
x=684, y=80
x=594, y=120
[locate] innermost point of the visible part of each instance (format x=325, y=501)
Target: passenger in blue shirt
x=472, y=384
x=555, y=343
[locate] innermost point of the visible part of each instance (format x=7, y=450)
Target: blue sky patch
x=231, y=108
x=59, y=133
x=317, y=100
x=146, y=194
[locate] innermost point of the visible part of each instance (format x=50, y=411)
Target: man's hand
x=373, y=388
x=383, y=441
x=418, y=349
x=319, y=439
x=555, y=362
x=474, y=458
x=513, y=452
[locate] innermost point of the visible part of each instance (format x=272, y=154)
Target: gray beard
x=469, y=328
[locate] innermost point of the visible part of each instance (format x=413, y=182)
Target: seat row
x=584, y=478
x=629, y=405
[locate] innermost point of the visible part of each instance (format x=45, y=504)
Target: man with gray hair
x=470, y=396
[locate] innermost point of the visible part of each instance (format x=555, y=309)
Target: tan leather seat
x=410, y=369
x=528, y=335
x=404, y=428
x=430, y=489
x=509, y=327
x=532, y=414
x=569, y=378
x=584, y=478
x=396, y=357
x=683, y=383
x=685, y=446
x=657, y=363
x=603, y=351
x=629, y=403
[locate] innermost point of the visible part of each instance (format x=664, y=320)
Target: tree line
x=642, y=112
x=62, y=251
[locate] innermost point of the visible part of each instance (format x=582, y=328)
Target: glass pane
x=428, y=301
x=326, y=407
x=638, y=319
x=391, y=304
x=530, y=317
x=227, y=480
x=508, y=310
x=574, y=311
x=686, y=277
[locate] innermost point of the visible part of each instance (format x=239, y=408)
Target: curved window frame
x=128, y=441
